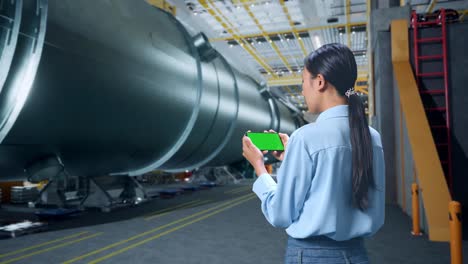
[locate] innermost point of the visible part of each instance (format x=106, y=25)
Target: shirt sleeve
x=282, y=202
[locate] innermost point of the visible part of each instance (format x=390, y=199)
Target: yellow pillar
x=416, y=228
x=455, y=232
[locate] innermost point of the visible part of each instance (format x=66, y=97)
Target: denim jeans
x=323, y=250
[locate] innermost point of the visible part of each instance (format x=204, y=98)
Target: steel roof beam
x=282, y=32
x=229, y=28
x=265, y=35
x=295, y=32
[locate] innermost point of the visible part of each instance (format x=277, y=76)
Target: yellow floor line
x=40, y=245
x=171, y=208
x=49, y=249
x=153, y=230
x=238, y=189
x=166, y=232
x=183, y=207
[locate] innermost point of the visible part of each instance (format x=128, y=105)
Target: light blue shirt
x=313, y=195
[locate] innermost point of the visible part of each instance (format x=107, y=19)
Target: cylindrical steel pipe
x=122, y=88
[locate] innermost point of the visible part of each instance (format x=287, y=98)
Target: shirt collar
x=332, y=112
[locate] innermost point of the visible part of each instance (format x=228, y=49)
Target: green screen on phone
x=266, y=141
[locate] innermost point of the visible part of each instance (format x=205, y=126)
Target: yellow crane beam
x=164, y=5
x=265, y=35
x=293, y=95
x=291, y=23
x=302, y=30
x=361, y=89
x=292, y=57
x=463, y=14
x=370, y=60
x=348, y=21
x=294, y=79
x=245, y=44
x=431, y=6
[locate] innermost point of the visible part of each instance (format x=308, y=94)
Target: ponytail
x=337, y=64
x=361, y=144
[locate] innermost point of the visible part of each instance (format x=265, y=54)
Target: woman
x=331, y=187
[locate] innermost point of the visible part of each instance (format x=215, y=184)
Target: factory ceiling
x=272, y=37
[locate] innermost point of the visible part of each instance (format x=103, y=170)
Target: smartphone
x=266, y=140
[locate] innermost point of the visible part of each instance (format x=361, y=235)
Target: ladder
x=438, y=115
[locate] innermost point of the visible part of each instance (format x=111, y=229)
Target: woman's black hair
x=337, y=64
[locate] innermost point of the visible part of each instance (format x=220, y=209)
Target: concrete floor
x=220, y=225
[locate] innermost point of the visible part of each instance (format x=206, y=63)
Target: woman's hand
x=253, y=155
x=279, y=155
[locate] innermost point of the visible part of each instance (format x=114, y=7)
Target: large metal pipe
x=10, y=17
x=122, y=88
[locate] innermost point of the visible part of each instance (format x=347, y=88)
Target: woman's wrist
x=260, y=169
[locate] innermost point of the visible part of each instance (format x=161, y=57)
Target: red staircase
x=441, y=130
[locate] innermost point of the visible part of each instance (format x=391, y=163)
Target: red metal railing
x=439, y=22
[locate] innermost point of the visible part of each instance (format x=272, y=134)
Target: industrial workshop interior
x=175, y=131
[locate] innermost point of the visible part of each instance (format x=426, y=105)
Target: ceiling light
x=341, y=33
x=252, y=43
x=354, y=32
x=252, y=5
x=195, y=13
x=270, y=41
x=281, y=40
x=299, y=38
x=316, y=41
x=231, y=46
